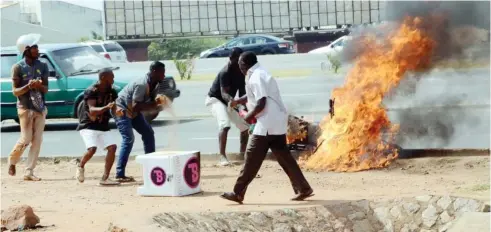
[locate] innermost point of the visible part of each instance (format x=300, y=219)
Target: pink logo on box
x=191, y=172
x=158, y=176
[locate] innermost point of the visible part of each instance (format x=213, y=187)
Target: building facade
x=56, y=21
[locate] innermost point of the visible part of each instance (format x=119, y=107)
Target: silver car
x=109, y=49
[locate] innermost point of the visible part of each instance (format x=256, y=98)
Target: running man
x=263, y=95
x=93, y=124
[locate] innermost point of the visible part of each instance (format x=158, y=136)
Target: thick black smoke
x=437, y=125
x=465, y=26
x=462, y=24
x=452, y=39
x=475, y=13
x=434, y=126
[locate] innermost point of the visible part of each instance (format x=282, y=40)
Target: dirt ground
x=63, y=204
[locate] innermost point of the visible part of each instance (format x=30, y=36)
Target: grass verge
x=481, y=187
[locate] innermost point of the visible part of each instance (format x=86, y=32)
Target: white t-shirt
x=273, y=119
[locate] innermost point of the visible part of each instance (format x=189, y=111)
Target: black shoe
x=232, y=197
x=303, y=196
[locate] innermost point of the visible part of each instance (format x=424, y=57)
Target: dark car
x=259, y=44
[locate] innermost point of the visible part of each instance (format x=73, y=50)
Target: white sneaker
x=223, y=161
x=31, y=177
x=80, y=174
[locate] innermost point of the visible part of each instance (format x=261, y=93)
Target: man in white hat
x=29, y=85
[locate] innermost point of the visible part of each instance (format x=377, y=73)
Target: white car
x=109, y=49
x=333, y=48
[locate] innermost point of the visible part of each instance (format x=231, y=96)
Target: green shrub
x=94, y=36
x=167, y=49
x=335, y=63
x=184, y=67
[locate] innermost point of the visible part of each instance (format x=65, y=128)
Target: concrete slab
x=471, y=222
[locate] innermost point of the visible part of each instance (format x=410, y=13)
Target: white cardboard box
x=170, y=173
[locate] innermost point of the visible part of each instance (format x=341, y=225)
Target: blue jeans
x=125, y=126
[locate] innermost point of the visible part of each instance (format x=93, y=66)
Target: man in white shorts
x=222, y=92
x=93, y=124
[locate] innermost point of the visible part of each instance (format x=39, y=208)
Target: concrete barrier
x=471, y=221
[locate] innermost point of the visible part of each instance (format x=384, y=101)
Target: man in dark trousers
x=99, y=101
x=140, y=95
x=222, y=92
x=263, y=97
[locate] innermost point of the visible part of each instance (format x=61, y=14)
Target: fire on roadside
x=358, y=136
x=296, y=131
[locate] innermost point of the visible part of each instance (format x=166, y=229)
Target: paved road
x=463, y=122
x=311, y=94
x=293, y=62
x=211, y=66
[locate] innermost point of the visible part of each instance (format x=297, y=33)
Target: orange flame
x=352, y=140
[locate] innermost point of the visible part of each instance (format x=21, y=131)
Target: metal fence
x=137, y=19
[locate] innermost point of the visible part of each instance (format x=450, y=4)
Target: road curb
x=404, y=154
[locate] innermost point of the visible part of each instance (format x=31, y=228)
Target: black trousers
x=257, y=148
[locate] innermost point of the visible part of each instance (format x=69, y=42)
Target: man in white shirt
x=266, y=106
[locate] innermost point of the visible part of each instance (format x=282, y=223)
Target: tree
x=182, y=52
x=335, y=62
x=83, y=39
x=181, y=48
x=96, y=36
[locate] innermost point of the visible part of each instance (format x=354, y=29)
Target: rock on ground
x=113, y=228
x=19, y=218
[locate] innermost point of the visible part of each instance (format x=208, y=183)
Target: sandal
x=232, y=197
x=109, y=182
x=125, y=179
x=303, y=196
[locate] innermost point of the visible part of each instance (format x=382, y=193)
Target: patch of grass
x=274, y=73
x=480, y=187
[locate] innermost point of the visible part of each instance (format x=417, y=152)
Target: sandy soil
x=65, y=205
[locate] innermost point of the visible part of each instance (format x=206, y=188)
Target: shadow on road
x=219, y=177
x=205, y=194
x=67, y=126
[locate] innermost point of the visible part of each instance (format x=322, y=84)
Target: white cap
x=28, y=40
